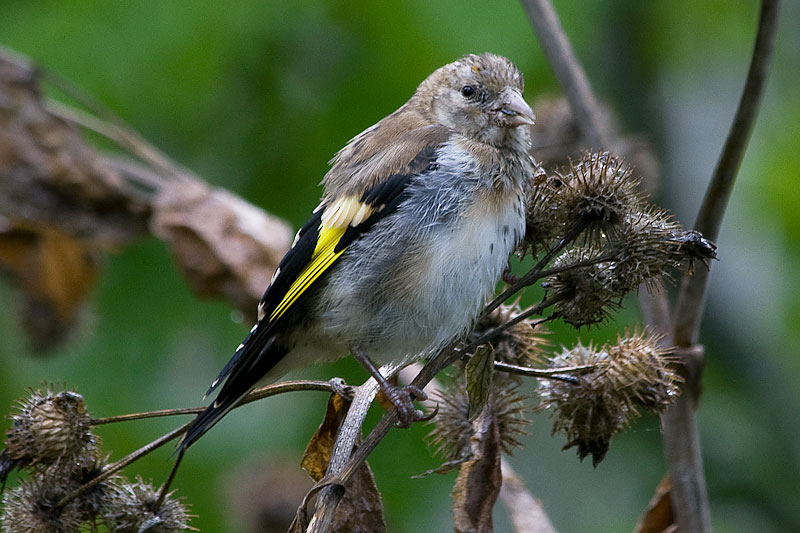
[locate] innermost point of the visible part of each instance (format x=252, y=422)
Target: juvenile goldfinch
x=419, y=215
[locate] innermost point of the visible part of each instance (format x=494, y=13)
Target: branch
x=526, y=512
x=336, y=385
x=709, y=218
x=569, y=72
x=342, y=448
x=681, y=442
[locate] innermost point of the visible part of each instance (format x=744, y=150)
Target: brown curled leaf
x=225, y=247
x=658, y=517
x=49, y=176
x=56, y=273
x=479, y=481
x=318, y=452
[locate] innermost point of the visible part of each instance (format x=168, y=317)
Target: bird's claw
x=403, y=400
x=510, y=278
x=342, y=389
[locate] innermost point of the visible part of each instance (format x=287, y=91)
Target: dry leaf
x=56, y=273
x=224, y=246
x=361, y=508
x=479, y=481
x=50, y=176
x=658, y=517
x=318, y=452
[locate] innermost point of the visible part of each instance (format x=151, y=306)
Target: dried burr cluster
x=596, y=239
x=51, y=439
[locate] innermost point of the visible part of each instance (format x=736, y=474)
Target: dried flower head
x=131, y=508
x=33, y=505
x=545, y=218
x=599, y=192
x=645, y=247
x=640, y=369
x=591, y=196
x=588, y=293
x=453, y=428
x=51, y=426
x=522, y=344
x=650, y=244
x=601, y=401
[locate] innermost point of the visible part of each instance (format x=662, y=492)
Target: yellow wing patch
x=342, y=213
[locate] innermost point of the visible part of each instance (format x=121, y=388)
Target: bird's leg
x=401, y=397
x=508, y=277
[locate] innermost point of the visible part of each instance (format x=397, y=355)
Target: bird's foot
x=403, y=400
x=508, y=277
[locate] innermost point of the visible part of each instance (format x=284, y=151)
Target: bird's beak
x=514, y=109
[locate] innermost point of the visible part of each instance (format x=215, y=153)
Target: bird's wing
x=334, y=225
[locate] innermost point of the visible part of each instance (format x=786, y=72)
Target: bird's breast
x=464, y=265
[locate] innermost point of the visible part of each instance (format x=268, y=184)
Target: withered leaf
x=361, y=508
x=55, y=271
x=658, y=516
x=479, y=481
x=479, y=371
x=318, y=452
x=224, y=246
x=50, y=176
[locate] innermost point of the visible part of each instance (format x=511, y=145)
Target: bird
x=418, y=218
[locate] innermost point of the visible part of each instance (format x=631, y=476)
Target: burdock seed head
x=453, y=428
x=34, y=504
x=586, y=294
x=599, y=402
x=545, y=218
x=599, y=192
x=51, y=426
x=131, y=507
x=522, y=344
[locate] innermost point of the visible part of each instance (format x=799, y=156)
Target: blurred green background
x=256, y=96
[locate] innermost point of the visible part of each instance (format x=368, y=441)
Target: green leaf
x=479, y=371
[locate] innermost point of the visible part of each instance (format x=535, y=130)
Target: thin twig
x=545, y=373
x=681, y=442
x=125, y=136
x=569, y=72
x=146, y=414
x=162, y=494
x=535, y=273
x=113, y=468
x=257, y=394
x=709, y=218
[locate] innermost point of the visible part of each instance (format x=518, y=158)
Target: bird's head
x=480, y=97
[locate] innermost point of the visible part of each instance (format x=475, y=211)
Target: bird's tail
x=205, y=421
x=257, y=355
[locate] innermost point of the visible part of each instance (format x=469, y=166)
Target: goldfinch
x=418, y=217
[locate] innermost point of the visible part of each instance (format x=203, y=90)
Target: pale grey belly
x=418, y=294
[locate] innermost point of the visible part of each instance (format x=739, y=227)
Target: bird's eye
x=467, y=91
